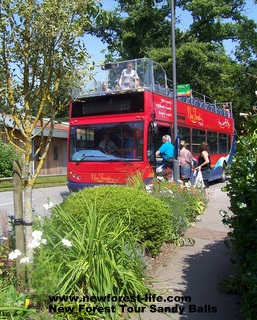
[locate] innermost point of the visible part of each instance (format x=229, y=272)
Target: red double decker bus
x=114, y=132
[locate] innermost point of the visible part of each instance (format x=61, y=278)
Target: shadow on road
x=64, y=194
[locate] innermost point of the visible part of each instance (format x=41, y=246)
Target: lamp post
x=174, y=79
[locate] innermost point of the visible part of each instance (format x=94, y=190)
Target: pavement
x=190, y=283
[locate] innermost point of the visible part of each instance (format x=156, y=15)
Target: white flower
x=48, y=205
x=66, y=242
x=34, y=244
x=24, y=260
x=149, y=188
x=44, y=241
x=37, y=234
x=14, y=254
x=3, y=238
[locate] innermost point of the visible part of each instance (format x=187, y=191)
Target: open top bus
x=142, y=112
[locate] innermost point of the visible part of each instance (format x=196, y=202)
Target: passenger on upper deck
x=129, y=78
x=105, y=87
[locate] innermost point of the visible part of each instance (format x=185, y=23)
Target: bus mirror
x=154, y=127
x=109, y=66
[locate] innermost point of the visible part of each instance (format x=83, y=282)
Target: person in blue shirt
x=128, y=146
x=166, y=151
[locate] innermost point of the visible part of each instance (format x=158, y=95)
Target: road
x=39, y=198
x=43, y=195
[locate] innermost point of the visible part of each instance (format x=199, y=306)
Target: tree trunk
x=28, y=212
x=18, y=222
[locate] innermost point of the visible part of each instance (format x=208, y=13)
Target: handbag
x=198, y=181
x=169, y=162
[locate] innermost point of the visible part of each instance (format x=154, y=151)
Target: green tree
x=40, y=54
x=142, y=28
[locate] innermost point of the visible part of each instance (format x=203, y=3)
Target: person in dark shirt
x=204, y=164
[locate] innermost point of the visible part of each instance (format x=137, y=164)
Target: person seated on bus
x=105, y=88
x=166, y=151
x=127, y=150
x=129, y=78
x=107, y=144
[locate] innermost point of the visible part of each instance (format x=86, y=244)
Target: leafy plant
x=185, y=203
x=8, y=155
x=243, y=236
x=7, y=271
x=150, y=218
x=13, y=304
x=97, y=257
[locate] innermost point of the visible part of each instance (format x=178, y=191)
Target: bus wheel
x=223, y=173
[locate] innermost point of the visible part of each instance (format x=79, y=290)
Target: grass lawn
x=41, y=182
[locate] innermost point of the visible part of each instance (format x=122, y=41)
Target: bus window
x=223, y=143
x=184, y=134
x=198, y=136
x=161, y=132
x=212, y=140
x=102, y=142
x=138, y=137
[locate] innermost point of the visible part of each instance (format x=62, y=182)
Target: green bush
x=150, y=218
x=8, y=155
x=242, y=188
x=185, y=203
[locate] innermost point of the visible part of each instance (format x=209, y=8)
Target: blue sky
x=95, y=46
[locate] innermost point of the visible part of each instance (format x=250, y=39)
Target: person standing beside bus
x=204, y=164
x=166, y=151
x=185, y=162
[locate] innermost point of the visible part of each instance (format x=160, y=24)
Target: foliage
x=243, y=236
x=137, y=29
x=8, y=155
x=94, y=257
x=6, y=266
x=185, y=203
x=42, y=58
x=13, y=304
x=150, y=218
x=91, y=245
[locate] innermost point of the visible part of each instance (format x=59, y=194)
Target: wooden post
x=18, y=222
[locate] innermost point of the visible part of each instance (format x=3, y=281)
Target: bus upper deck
x=148, y=76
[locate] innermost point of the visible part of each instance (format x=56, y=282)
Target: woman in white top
x=129, y=78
